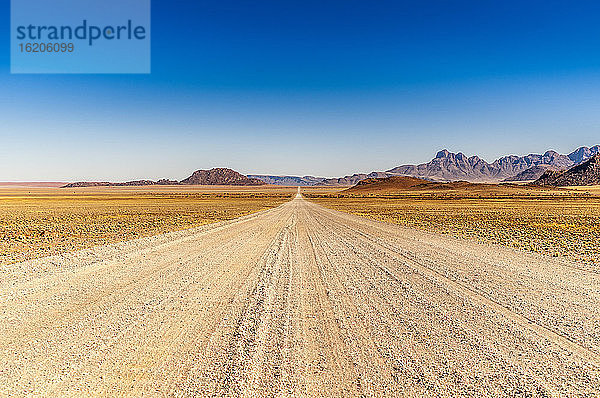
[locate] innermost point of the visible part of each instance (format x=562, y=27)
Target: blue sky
x=313, y=87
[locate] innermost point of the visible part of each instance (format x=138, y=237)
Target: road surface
x=299, y=301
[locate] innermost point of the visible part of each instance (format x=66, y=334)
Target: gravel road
x=299, y=301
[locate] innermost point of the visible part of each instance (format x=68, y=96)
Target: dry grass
x=594, y=189
x=37, y=222
x=564, y=225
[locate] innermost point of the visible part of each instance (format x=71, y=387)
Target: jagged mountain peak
x=581, y=154
x=449, y=166
x=444, y=153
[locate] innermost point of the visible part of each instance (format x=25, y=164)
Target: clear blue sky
x=313, y=87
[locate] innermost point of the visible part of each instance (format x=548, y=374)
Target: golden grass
x=593, y=189
x=36, y=222
x=564, y=225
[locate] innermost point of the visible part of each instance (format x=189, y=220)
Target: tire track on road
x=295, y=301
x=428, y=271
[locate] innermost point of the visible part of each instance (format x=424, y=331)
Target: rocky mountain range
x=448, y=166
x=216, y=176
x=586, y=173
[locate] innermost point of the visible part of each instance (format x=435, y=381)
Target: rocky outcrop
x=587, y=173
x=220, y=176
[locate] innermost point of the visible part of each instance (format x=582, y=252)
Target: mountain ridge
x=215, y=176
x=447, y=166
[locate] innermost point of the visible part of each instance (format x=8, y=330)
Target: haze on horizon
x=306, y=88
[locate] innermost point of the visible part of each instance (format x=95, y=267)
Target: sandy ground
x=299, y=301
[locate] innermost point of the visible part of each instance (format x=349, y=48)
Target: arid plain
x=36, y=222
x=259, y=292
x=561, y=223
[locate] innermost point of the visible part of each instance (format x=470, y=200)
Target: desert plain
x=266, y=291
x=37, y=222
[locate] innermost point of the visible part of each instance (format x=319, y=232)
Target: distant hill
x=217, y=176
x=586, y=173
x=220, y=176
x=83, y=184
x=353, y=179
x=318, y=181
x=137, y=183
x=288, y=180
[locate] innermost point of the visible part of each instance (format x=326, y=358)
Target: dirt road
x=299, y=301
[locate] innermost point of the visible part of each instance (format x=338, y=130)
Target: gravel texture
x=299, y=301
